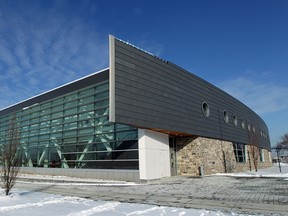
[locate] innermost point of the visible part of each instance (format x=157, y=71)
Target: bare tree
x=228, y=161
x=254, y=149
x=255, y=156
x=10, y=158
x=283, y=144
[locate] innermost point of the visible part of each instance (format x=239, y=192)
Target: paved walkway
x=267, y=196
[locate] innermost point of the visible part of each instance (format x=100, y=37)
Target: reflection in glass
x=73, y=131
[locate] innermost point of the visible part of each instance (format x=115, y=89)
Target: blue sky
x=240, y=46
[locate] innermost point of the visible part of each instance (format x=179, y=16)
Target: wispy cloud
x=262, y=96
x=42, y=47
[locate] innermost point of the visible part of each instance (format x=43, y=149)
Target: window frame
x=239, y=152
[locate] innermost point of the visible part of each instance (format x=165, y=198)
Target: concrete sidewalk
x=268, y=196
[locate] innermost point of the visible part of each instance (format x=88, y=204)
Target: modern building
x=142, y=118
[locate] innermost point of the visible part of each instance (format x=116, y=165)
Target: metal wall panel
x=156, y=94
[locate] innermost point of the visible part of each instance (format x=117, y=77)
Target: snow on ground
x=56, y=178
x=271, y=172
x=31, y=203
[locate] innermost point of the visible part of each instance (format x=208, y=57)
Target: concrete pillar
x=154, y=157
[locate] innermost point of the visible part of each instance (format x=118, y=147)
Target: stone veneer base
x=215, y=156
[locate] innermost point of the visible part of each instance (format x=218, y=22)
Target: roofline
x=74, y=81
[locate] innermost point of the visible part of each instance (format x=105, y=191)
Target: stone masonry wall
x=215, y=156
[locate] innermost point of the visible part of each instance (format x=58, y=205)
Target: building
x=142, y=118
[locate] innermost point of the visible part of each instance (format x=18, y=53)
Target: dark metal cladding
x=82, y=83
x=156, y=94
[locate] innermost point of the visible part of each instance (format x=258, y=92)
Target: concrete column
x=154, y=157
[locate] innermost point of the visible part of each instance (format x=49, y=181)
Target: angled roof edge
x=51, y=90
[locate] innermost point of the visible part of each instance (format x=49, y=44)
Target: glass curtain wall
x=73, y=131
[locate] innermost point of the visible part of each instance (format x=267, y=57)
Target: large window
x=73, y=131
x=240, y=153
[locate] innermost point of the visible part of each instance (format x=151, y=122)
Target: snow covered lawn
x=30, y=203
x=271, y=172
x=26, y=203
